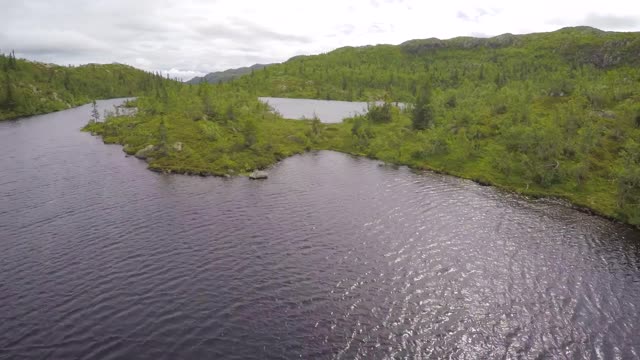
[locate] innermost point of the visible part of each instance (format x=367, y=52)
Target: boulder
x=144, y=153
x=178, y=146
x=606, y=114
x=295, y=139
x=389, y=165
x=257, y=175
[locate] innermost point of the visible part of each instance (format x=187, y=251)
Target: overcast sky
x=192, y=37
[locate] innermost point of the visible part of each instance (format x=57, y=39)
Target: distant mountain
x=227, y=75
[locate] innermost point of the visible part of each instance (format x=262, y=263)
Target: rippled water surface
x=332, y=257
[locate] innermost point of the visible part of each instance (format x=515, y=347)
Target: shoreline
x=72, y=106
x=568, y=201
x=530, y=194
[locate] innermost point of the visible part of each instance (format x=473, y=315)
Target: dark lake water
x=332, y=257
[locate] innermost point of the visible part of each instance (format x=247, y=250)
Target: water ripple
x=333, y=257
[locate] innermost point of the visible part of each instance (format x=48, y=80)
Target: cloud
x=479, y=35
x=65, y=42
x=463, y=16
x=182, y=74
x=347, y=29
x=476, y=14
x=193, y=37
x=238, y=29
x=612, y=22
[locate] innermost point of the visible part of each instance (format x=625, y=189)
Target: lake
x=328, y=111
x=332, y=257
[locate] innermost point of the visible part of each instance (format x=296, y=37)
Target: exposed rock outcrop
x=144, y=153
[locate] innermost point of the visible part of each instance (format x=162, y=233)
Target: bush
x=380, y=114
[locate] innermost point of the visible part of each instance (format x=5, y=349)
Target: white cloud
x=192, y=37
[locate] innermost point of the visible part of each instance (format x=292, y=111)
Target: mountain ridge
x=226, y=75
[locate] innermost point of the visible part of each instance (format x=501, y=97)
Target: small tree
x=629, y=183
x=231, y=115
x=95, y=114
x=5, y=62
x=316, y=125
x=162, y=137
x=162, y=133
x=9, y=102
x=422, y=116
x=13, y=64
x=380, y=113
x=250, y=133
x=361, y=131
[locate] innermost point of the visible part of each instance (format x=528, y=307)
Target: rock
x=295, y=139
x=144, y=153
x=388, y=165
x=606, y=114
x=178, y=146
x=257, y=175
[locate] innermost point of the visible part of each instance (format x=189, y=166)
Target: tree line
x=30, y=88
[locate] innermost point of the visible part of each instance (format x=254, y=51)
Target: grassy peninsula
x=550, y=114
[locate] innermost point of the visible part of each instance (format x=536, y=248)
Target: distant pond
x=328, y=111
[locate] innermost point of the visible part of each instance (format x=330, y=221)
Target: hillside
x=227, y=75
x=549, y=114
x=548, y=60
x=29, y=88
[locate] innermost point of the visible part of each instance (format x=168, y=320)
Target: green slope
x=29, y=88
x=548, y=61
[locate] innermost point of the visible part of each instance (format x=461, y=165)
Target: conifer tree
x=422, y=116
x=162, y=134
x=95, y=115
x=13, y=65
x=9, y=102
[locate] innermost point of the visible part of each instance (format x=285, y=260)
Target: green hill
x=548, y=114
x=547, y=61
x=29, y=88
